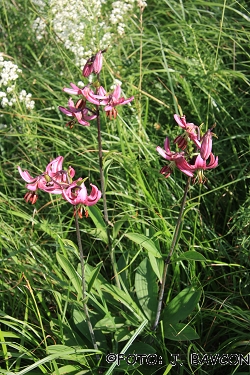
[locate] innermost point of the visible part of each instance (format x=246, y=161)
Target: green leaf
x=96, y=216
x=124, y=298
x=118, y=225
x=180, y=332
x=181, y=306
x=93, y=275
x=70, y=272
x=191, y=255
x=145, y=242
x=146, y=289
x=157, y=266
x=81, y=324
x=107, y=324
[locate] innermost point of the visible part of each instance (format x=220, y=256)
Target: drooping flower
x=177, y=159
x=201, y=165
x=54, y=166
x=90, y=96
x=49, y=181
x=79, y=111
x=76, y=193
x=42, y=182
x=55, y=170
x=112, y=100
x=55, y=180
x=192, y=131
x=93, y=64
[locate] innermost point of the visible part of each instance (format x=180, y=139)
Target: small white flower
x=4, y=102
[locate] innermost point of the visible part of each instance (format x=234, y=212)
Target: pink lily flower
x=192, y=130
x=112, y=100
x=177, y=159
x=78, y=111
x=40, y=182
x=55, y=180
x=54, y=166
x=200, y=165
x=90, y=96
x=93, y=64
x=49, y=181
x=77, y=194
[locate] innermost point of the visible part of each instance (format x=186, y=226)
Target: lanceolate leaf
x=180, y=332
x=191, y=255
x=146, y=289
x=145, y=242
x=96, y=216
x=181, y=306
x=177, y=310
x=70, y=272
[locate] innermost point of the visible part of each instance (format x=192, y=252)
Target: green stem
x=105, y=209
x=85, y=307
x=167, y=260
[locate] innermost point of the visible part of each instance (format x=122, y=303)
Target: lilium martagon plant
x=192, y=166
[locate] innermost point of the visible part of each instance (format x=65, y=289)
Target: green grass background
x=188, y=57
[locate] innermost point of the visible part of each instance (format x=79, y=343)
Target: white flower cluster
x=84, y=26
x=26, y=99
x=39, y=27
x=9, y=73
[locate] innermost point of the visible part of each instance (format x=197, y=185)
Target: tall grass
x=182, y=57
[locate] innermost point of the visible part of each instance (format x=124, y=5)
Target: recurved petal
x=73, y=91
x=94, y=196
x=90, y=95
x=163, y=153
x=32, y=186
x=26, y=176
x=65, y=111
x=181, y=121
x=184, y=167
x=213, y=163
x=123, y=101
x=102, y=92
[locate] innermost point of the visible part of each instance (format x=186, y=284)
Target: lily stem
x=105, y=209
x=85, y=307
x=167, y=260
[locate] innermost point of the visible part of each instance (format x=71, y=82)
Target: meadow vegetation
x=174, y=57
